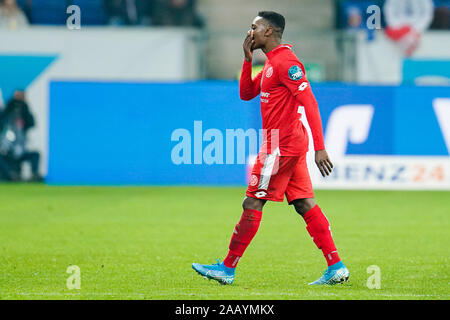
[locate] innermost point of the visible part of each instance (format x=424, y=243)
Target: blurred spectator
x=11, y=16
x=26, y=6
x=352, y=14
x=129, y=12
x=441, y=18
x=177, y=13
x=15, y=121
x=354, y=18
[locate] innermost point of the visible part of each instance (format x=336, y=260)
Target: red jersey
x=283, y=87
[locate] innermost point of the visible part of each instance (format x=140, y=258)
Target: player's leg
x=242, y=235
x=300, y=194
x=270, y=176
x=245, y=230
x=318, y=227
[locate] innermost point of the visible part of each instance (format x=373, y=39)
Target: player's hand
x=323, y=162
x=248, y=47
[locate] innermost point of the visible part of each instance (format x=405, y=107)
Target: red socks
x=243, y=234
x=316, y=224
x=319, y=229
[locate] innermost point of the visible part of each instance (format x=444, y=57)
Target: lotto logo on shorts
x=260, y=194
x=254, y=180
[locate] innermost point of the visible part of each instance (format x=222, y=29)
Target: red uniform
x=281, y=167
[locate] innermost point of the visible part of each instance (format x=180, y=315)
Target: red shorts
x=273, y=177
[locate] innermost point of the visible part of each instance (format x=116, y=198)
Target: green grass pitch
x=139, y=243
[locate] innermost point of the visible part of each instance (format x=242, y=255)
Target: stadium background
x=108, y=97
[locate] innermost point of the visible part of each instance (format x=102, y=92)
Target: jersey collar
x=276, y=50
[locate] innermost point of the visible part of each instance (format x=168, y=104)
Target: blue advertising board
x=167, y=133
x=121, y=133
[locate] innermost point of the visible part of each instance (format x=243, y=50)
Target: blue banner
x=121, y=133
x=186, y=133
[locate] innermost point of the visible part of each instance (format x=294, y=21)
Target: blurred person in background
x=354, y=18
x=441, y=20
x=15, y=121
x=177, y=13
x=129, y=12
x=11, y=16
x=26, y=6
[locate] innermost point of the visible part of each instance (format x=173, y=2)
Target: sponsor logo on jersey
x=269, y=72
x=265, y=95
x=295, y=73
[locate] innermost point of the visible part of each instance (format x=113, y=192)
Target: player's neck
x=271, y=45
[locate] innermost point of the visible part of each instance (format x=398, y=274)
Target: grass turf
x=139, y=243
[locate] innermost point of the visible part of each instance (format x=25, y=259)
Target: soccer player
x=280, y=169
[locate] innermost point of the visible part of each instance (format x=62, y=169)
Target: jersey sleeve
x=248, y=87
x=291, y=73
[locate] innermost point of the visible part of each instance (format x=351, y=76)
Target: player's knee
x=302, y=206
x=252, y=203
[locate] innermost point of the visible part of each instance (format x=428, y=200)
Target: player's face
x=257, y=32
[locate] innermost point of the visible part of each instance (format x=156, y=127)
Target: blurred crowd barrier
x=379, y=61
x=333, y=38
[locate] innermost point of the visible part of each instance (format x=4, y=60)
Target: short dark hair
x=275, y=19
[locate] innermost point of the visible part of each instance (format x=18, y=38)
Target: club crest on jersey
x=295, y=73
x=269, y=72
x=254, y=180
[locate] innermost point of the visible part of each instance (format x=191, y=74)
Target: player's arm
x=292, y=75
x=249, y=88
x=308, y=100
